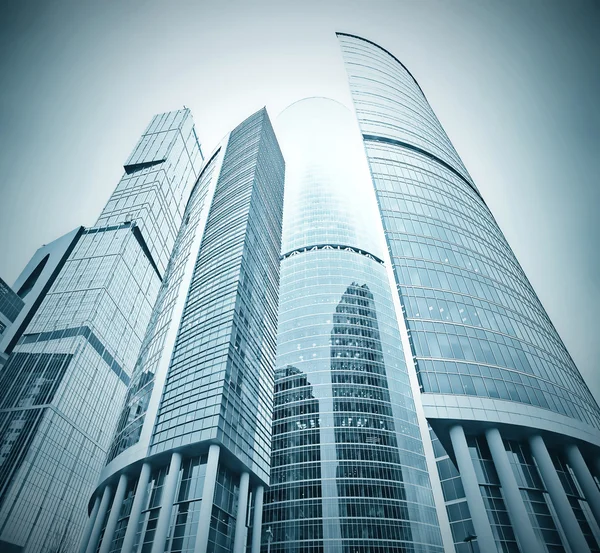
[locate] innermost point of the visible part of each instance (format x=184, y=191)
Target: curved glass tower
x=348, y=471
x=517, y=431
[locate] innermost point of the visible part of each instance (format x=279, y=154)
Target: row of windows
x=419, y=273
x=431, y=304
x=388, y=101
x=463, y=309
x=362, y=438
x=484, y=346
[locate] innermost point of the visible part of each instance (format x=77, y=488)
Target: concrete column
x=166, y=504
x=481, y=523
x=208, y=493
x=239, y=544
x=528, y=541
x=95, y=535
x=113, y=518
x=259, y=493
x=585, y=479
x=136, y=509
x=90, y=525
x=558, y=496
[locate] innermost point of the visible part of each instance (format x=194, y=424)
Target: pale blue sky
x=516, y=85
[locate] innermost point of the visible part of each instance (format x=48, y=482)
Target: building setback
x=515, y=428
x=92, y=294
x=192, y=448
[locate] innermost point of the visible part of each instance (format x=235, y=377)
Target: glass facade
x=10, y=304
x=34, y=282
x=217, y=386
x=70, y=369
x=10, y=307
x=154, y=347
x=476, y=329
x=476, y=325
x=194, y=347
x=348, y=467
x=156, y=185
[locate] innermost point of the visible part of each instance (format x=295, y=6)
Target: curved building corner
x=515, y=429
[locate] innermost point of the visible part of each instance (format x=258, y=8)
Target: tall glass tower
x=348, y=466
x=192, y=447
x=516, y=430
x=68, y=372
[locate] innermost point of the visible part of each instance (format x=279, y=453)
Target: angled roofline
x=337, y=33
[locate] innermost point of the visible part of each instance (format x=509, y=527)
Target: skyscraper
x=407, y=394
x=516, y=430
x=349, y=471
x=192, y=447
x=93, y=291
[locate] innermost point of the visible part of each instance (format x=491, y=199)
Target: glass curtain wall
x=348, y=469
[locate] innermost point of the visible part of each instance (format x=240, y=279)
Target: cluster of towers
x=315, y=341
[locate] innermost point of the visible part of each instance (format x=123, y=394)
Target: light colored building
x=34, y=282
x=191, y=454
x=91, y=297
x=516, y=430
x=414, y=396
x=349, y=470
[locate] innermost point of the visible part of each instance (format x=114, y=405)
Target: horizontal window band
x=393, y=142
x=87, y=333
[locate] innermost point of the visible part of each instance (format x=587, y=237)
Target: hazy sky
x=516, y=84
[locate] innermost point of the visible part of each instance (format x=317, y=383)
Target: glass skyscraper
x=515, y=428
x=348, y=470
x=192, y=447
x=69, y=370
x=363, y=368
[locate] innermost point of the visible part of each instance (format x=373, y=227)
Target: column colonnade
x=107, y=503
x=528, y=540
